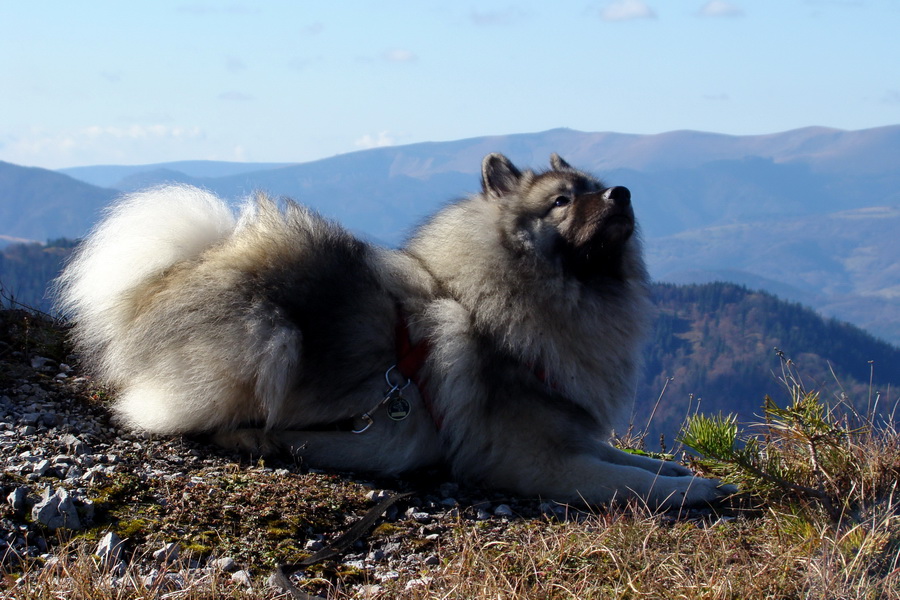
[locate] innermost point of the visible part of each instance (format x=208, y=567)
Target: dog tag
x=397, y=406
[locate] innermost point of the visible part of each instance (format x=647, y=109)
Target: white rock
x=110, y=549
x=18, y=498
x=242, y=577
x=167, y=553
x=56, y=510
x=313, y=545
x=418, y=583
x=226, y=564
x=368, y=591
x=377, y=495
x=41, y=468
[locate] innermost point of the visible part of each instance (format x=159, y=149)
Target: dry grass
x=632, y=556
x=627, y=553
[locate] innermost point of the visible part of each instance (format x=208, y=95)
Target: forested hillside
x=721, y=345
x=27, y=269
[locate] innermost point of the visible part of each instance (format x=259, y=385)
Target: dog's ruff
x=270, y=328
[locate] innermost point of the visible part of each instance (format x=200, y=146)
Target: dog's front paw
x=702, y=491
x=696, y=492
x=256, y=442
x=670, y=468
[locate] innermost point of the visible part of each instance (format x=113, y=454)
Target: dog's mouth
x=615, y=228
x=594, y=246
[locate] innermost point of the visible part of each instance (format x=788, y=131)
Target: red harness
x=410, y=360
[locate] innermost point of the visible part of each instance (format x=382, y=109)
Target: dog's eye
x=561, y=201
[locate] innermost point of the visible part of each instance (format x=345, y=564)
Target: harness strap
x=410, y=361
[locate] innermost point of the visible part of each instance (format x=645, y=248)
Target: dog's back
x=204, y=321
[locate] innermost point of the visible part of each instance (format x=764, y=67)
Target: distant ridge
x=791, y=211
x=38, y=204
x=111, y=175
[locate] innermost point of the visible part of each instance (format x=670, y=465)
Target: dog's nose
x=620, y=196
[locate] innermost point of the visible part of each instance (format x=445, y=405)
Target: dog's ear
x=499, y=176
x=558, y=163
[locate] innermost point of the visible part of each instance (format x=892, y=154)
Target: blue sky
x=103, y=82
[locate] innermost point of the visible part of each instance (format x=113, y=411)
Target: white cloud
x=399, y=55
x=625, y=10
x=101, y=144
x=139, y=132
x=381, y=140
x=720, y=8
x=506, y=16
x=239, y=153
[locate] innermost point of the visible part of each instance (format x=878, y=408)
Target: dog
x=500, y=340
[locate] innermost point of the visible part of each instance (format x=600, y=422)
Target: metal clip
x=397, y=406
x=369, y=422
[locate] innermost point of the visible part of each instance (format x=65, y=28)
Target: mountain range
x=807, y=214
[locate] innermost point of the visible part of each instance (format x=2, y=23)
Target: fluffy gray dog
x=500, y=340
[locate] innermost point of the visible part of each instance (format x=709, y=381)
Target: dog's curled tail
x=140, y=236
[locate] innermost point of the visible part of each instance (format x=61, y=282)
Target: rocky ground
x=176, y=513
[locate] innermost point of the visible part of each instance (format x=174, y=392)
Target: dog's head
x=564, y=216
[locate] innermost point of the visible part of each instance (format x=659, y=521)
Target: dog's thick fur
x=276, y=331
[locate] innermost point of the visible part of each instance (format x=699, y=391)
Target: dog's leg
x=387, y=447
x=667, y=468
x=593, y=480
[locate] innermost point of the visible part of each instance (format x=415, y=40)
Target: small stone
x=53, y=565
x=75, y=445
x=167, y=553
x=420, y=517
x=368, y=591
x=39, y=362
x=503, y=510
x=110, y=549
x=74, y=472
x=51, y=419
x=18, y=499
x=432, y=560
x=56, y=510
x=482, y=515
x=226, y=564
x=377, y=495
x=86, y=511
x=418, y=583
x=242, y=577
x=313, y=545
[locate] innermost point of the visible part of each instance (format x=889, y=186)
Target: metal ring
x=392, y=385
